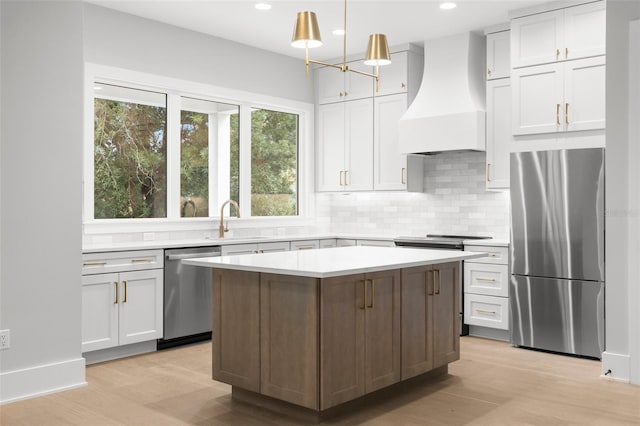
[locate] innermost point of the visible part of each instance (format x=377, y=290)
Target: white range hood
x=448, y=113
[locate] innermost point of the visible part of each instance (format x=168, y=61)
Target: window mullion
x=173, y=156
x=245, y=161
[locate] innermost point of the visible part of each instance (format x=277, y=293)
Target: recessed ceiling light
x=263, y=6
x=338, y=32
x=448, y=5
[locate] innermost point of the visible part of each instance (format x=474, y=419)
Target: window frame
x=175, y=89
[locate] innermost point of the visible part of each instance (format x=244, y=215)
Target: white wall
x=622, y=325
x=41, y=153
x=126, y=41
x=454, y=201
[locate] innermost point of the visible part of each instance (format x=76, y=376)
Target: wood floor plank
x=492, y=384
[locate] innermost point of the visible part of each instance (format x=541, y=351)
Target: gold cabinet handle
x=115, y=301
x=93, y=263
x=373, y=292
x=403, y=86
x=557, y=54
x=566, y=112
x=566, y=52
x=341, y=94
x=493, y=255
x=486, y=312
x=345, y=93
x=143, y=260
x=558, y=114
x=437, y=291
x=403, y=176
x=364, y=295
x=124, y=299
x=306, y=247
x=488, y=172
x=487, y=280
x=341, y=172
x=346, y=181
x=488, y=71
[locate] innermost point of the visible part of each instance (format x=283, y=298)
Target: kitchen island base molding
x=370, y=400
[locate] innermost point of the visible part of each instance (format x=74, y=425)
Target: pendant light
x=306, y=34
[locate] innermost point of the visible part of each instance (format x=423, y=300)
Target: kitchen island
x=319, y=328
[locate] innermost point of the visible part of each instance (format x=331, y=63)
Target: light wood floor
x=492, y=384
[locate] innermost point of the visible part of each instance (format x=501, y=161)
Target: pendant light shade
x=306, y=32
x=378, y=51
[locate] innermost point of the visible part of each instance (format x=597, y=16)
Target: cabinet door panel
x=342, y=360
x=358, y=86
x=537, y=39
x=331, y=83
x=537, y=99
x=393, y=77
x=330, y=146
x=584, y=90
x=498, y=63
x=236, y=328
x=417, y=326
x=359, y=125
x=99, y=311
x=382, y=333
x=289, y=339
x=390, y=167
x=446, y=311
x=141, y=304
x=585, y=30
x=499, y=137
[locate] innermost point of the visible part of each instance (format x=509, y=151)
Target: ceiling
x=402, y=21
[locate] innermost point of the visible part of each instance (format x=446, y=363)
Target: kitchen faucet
x=224, y=228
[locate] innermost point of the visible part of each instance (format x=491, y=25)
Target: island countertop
x=333, y=262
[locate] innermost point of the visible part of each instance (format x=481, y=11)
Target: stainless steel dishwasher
x=187, y=297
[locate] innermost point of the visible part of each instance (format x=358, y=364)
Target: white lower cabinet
x=305, y=245
x=486, y=291
x=328, y=243
x=235, y=249
x=121, y=308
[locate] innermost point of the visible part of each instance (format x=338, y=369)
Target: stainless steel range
x=443, y=242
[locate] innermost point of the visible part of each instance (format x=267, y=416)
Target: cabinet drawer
x=486, y=311
x=487, y=279
x=498, y=255
x=305, y=245
x=100, y=263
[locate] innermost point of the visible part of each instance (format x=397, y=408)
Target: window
x=130, y=153
x=176, y=150
x=274, y=163
x=208, y=131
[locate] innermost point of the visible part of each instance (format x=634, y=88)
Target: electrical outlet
x=5, y=342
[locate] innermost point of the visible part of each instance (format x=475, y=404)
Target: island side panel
x=236, y=328
x=342, y=340
x=382, y=330
x=289, y=338
x=446, y=338
x=417, y=325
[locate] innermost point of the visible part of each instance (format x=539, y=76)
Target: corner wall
x=622, y=355
x=41, y=197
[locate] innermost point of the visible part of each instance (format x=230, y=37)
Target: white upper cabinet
x=498, y=63
x=499, y=137
x=571, y=33
x=337, y=86
x=345, y=146
x=584, y=94
x=390, y=167
x=393, y=78
x=559, y=97
x=537, y=95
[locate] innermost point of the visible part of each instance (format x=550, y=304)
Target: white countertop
x=333, y=262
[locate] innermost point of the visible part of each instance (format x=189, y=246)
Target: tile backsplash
x=454, y=201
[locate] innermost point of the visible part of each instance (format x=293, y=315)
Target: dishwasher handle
x=193, y=255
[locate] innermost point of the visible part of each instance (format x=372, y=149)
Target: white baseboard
x=618, y=364
x=41, y=380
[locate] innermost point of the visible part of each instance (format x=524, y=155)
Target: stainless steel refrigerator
x=556, y=292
